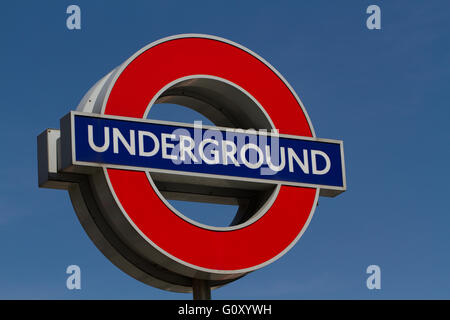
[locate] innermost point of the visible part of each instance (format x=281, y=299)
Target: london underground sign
x=120, y=168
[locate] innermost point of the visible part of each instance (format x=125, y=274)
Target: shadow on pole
x=201, y=289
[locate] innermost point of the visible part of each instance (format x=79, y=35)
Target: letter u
x=91, y=139
x=281, y=160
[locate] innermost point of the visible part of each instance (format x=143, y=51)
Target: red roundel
x=237, y=250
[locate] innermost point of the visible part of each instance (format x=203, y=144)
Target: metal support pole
x=201, y=289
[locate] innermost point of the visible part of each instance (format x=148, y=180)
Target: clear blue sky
x=384, y=92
